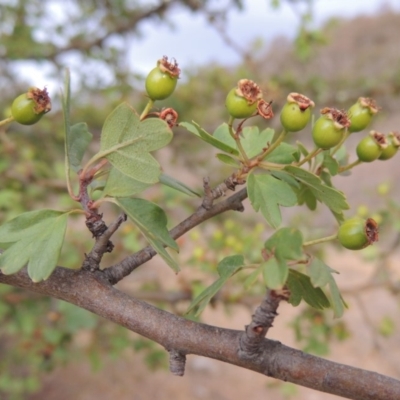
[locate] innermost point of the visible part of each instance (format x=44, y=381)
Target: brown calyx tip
x=303, y=101
x=265, y=109
x=339, y=117
x=369, y=103
x=170, y=116
x=395, y=136
x=371, y=230
x=380, y=138
x=170, y=67
x=249, y=90
x=41, y=99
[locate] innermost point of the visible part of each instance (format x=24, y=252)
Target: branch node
x=177, y=362
x=103, y=243
x=263, y=318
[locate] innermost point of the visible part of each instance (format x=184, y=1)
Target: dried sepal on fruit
x=162, y=80
x=296, y=113
x=241, y=101
x=170, y=116
x=28, y=108
x=393, y=139
x=329, y=128
x=357, y=233
x=265, y=109
x=361, y=113
x=371, y=146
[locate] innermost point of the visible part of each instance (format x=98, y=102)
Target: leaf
x=252, y=278
x=228, y=160
x=226, y=268
x=120, y=185
x=254, y=141
x=283, y=154
x=333, y=198
x=301, y=288
x=127, y=142
x=205, y=136
x=34, y=238
x=321, y=275
x=177, y=185
x=77, y=142
x=152, y=222
x=266, y=193
x=275, y=273
x=330, y=164
x=286, y=243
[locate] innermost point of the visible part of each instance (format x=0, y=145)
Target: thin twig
x=118, y=271
x=102, y=245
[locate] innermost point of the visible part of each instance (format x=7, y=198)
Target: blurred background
x=333, y=52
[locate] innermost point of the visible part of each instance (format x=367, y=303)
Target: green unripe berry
x=296, y=113
x=28, y=108
x=357, y=233
x=329, y=128
x=162, y=80
x=238, y=106
x=393, y=139
x=241, y=101
x=361, y=114
x=371, y=147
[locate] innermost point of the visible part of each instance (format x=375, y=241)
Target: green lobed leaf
x=120, y=185
x=210, y=139
x=286, y=243
x=266, y=193
x=283, y=154
x=330, y=163
x=34, y=238
x=254, y=141
x=233, y=162
x=226, y=268
x=333, y=198
x=321, y=275
x=127, y=142
x=252, y=278
x=77, y=143
x=300, y=287
x=177, y=185
x=275, y=273
x=152, y=222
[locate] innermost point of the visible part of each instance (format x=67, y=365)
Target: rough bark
x=90, y=290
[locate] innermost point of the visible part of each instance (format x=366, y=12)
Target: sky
x=193, y=41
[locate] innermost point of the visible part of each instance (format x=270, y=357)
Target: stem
x=273, y=146
x=320, y=240
x=309, y=156
x=345, y=136
x=146, y=110
x=237, y=140
x=349, y=166
x=6, y=121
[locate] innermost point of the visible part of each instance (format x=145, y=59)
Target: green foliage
x=266, y=193
x=226, y=268
x=34, y=238
x=152, y=222
x=126, y=142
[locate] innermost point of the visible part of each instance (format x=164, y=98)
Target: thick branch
x=117, y=272
x=92, y=292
